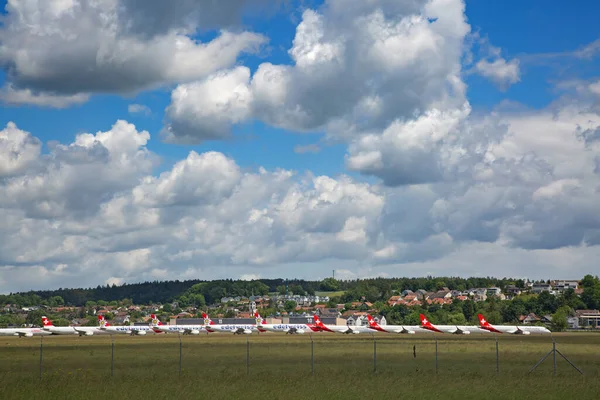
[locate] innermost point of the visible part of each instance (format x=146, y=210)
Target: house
x=512, y=290
x=573, y=322
x=392, y=301
x=561, y=286
x=406, y=292
x=588, y=318
x=529, y=318
x=540, y=287
x=493, y=291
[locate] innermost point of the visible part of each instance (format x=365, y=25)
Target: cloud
x=139, y=109
x=59, y=48
x=499, y=71
x=354, y=68
x=448, y=189
x=10, y=95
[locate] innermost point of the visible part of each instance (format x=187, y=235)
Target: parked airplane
x=454, y=329
x=236, y=329
x=69, y=330
x=406, y=329
x=291, y=329
x=347, y=329
x=515, y=330
x=179, y=329
x=24, y=332
x=126, y=329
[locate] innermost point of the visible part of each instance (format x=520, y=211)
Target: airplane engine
x=142, y=333
x=466, y=332
x=300, y=331
x=29, y=334
x=247, y=331
x=520, y=332
x=406, y=331
x=194, y=332
x=86, y=333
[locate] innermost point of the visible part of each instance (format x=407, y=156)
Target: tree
x=329, y=285
x=559, y=319
x=289, y=306
x=281, y=289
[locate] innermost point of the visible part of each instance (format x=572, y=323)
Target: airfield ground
x=214, y=366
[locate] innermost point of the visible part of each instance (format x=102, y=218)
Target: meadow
x=280, y=366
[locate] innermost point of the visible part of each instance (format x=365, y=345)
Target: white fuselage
x=347, y=329
x=182, y=329
x=23, y=332
x=459, y=329
x=128, y=330
x=520, y=330
x=288, y=328
x=232, y=328
x=73, y=330
x=408, y=329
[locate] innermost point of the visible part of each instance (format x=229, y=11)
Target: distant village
x=294, y=308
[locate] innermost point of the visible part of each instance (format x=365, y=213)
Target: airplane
x=405, y=329
x=69, y=330
x=179, y=329
x=512, y=329
x=291, y=329
x=127, y=329
x=236, y=329
x=347, y=329
x=453, y=329
x=24, y=332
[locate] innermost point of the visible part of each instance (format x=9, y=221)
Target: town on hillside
x=557, y=304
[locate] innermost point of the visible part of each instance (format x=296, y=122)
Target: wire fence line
x=425, y=349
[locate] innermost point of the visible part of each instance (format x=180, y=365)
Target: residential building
x=565, y=285
x=588, y=318
x=540, y=287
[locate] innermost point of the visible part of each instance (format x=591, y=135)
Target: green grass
x=280, y=367
x=331, y=294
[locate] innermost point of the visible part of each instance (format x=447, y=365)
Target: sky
x=290, y=138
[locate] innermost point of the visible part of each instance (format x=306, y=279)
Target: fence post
x=112, y=356
x=312, y=354
x=180, y=354
x=436, y=354
x=554, y=355
x=41, y=354
x=497, y=356
x=247, y=356
x=374, y=353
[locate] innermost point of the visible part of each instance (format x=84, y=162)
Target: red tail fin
x=482, y=320
x=46, y=321
x=427, y=325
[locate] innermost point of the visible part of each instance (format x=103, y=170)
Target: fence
x=327, y=351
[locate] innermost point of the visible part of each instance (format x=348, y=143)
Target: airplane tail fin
x=155, y=320
x=424, y=321
x=372, y=321
x=102, y=321
x=207, y=320
x=317, y=320
x=258, y=319
x=46, y=321
x=482, y=321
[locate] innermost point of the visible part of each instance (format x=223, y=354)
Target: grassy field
x=331, y=294
x=280, y=367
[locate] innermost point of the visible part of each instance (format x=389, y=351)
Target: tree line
x=146, y=293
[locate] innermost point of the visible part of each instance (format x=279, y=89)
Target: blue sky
x=514, y=26
x=417, y=176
